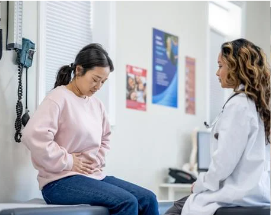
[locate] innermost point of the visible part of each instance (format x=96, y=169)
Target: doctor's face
x=222, y=72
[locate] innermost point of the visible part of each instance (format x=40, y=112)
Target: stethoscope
x=219, y=115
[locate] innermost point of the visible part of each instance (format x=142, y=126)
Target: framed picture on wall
x=136, y=88
x=165, y=69
x=190, y=85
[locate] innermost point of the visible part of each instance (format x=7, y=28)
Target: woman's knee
x=130, y=204
x=150, y=198
x=131, y=200
x=148, y=204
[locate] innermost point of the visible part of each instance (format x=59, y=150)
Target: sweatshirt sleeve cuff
x=70, y=162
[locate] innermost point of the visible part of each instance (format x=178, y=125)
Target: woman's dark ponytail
x=64, y=75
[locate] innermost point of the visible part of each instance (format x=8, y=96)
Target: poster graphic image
x=136, y=88
x=190, y=99
x=165, y=69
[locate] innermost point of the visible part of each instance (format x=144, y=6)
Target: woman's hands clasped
x=81, y=164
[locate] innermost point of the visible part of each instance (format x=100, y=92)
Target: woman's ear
x=78, y=70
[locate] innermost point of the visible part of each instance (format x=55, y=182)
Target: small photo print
x=136, y=88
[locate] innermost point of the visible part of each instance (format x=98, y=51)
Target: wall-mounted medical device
x=25, y=50
x=14, y=25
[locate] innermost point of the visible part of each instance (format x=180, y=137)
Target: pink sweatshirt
x=63, y=124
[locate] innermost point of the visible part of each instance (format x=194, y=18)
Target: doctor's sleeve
x=38, y=136
x=233, y=131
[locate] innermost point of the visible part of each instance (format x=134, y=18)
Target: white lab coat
x=239, y=173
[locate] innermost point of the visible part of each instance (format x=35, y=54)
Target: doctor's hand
x=80, y=164
x=192, y=187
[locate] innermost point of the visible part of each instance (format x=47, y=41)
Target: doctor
x=239, y=173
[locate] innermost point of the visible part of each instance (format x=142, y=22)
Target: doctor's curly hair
x=248, y=65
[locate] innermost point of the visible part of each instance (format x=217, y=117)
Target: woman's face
x=133, y=96
x=140, y=86
x=131, y=83
x=92, y=81
x=138, y=79
x=222, y=72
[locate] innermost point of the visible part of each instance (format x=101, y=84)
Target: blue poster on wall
x=165, y=69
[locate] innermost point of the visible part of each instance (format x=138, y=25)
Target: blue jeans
x=120, y=197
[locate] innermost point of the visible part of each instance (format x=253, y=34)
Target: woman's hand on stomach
x=81, y=164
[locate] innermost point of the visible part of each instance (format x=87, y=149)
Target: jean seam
x=46, y=198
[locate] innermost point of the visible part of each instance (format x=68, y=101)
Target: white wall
x=104, y=32
x=257, y=24
x=144, y=144
x=17, y=176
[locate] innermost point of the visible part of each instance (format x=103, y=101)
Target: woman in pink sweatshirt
x=68, y=137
